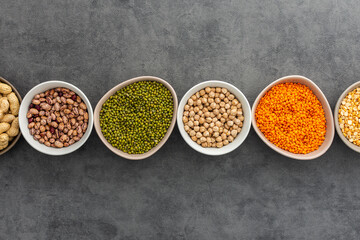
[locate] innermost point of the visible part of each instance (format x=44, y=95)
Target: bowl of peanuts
x=293, y=117
x=9, y=121
x=56, y=117
x=346, y=117
x=214, y=117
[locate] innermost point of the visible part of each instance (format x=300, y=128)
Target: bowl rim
x=112, y=92
x=56, y=151
x=329, y=132
x=245, y=129
x=14, y=141
x=336, y=120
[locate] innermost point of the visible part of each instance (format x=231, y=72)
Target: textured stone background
x=251, y=193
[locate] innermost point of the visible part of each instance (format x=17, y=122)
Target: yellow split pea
x=349, y=116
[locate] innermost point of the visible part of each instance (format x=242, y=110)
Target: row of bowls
x=177, y=115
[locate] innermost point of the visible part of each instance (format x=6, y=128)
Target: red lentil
x=292, y=117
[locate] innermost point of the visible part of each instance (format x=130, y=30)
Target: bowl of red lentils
x=347, y=116
x=293, y=117
x=214, y=117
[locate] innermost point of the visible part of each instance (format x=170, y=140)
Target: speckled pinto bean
x=54, y=114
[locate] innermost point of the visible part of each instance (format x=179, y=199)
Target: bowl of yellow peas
x=347, y=117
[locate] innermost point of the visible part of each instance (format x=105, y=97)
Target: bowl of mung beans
x=347, y=117
x=214, y=117
x=135, y=118
x=293, y=117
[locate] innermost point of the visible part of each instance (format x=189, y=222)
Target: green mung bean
x=137, y=117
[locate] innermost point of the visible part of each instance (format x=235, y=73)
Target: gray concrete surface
x=252, y=193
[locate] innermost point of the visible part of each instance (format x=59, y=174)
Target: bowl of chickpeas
x=214, y=117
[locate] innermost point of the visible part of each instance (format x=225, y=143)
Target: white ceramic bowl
x=329, y=136
x=112, y=92
x=23, y=122
x=239, y=138
x=336, y=112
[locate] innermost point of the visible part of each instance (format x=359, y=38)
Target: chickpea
x=190, y=124
x=233, y=133
x=213, y=117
